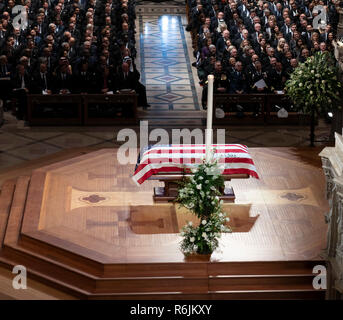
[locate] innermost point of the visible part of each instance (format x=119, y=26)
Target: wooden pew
x=82, y=109
x=109, y=109
x=268, y=113
x=282, y=100
x=54, y=109
x=228, y=101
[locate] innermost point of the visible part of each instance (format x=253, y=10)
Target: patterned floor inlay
x=165, y=64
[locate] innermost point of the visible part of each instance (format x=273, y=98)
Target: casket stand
x=171, y=184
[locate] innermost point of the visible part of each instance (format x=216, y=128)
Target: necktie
x=44, y=79
x=22, y=82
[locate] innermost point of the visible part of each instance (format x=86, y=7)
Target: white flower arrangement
x=200, y=194
x=313, y=85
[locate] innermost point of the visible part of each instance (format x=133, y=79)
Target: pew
x=283, y=101
x=109, y=109
x=54, y=109
x=227, y=103
x=266, y=103
x=82, y=109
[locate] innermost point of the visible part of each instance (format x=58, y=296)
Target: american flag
x=180, y=159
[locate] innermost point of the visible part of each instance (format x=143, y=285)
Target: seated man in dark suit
x=238, y=80
x=63, y=77
x=277, y=78
x=220, y=84
x=255, y=75
x=127, y=79
x=238, y=84
x=42, y=82
x=5, y=81
x=105, y=77
x=85, y=79
x=21, y=84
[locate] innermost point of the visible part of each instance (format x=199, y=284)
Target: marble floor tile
x=73, y=140
x=9, y=141
x=156, y=87
x=154, y=70
x=183, y=106
x=7, y=160
x=159, y=106
x=178, y=87
x=103, y=135
x=38, y=135
x=34, y=151
x=275, y=140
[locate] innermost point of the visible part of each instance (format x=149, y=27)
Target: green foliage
x=314, y=85
x=200, y=194
x=203, y=239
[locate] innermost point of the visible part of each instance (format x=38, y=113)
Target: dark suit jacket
x=275, y=79
x=3, y=70
x=59, y=83
x=130, y=82
x=38, y=83
x=86, y=83
x=238, y=82
x=16, y=81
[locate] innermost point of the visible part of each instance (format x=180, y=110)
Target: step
x=65, y=274
x=88, y=283
x=49, y=281
x=263, y=267
x=43, y=266
x=109, y=270
x=220, y=295
x=17, y=209
x=6, y=198
x=301, y=294
x=261, y=282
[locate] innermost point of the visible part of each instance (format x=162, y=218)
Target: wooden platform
x=82, y=226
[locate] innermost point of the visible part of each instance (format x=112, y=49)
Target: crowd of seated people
x=68, y=46
x=242, y=42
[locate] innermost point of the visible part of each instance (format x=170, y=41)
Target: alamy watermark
x=128, y=151
x=319, y=281
x=20, y=280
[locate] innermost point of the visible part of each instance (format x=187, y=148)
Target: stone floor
x=164, y=58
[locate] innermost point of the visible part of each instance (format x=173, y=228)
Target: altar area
x=82, y=225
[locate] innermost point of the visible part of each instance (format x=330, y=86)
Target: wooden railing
x=82, y=109
x=264, y=103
